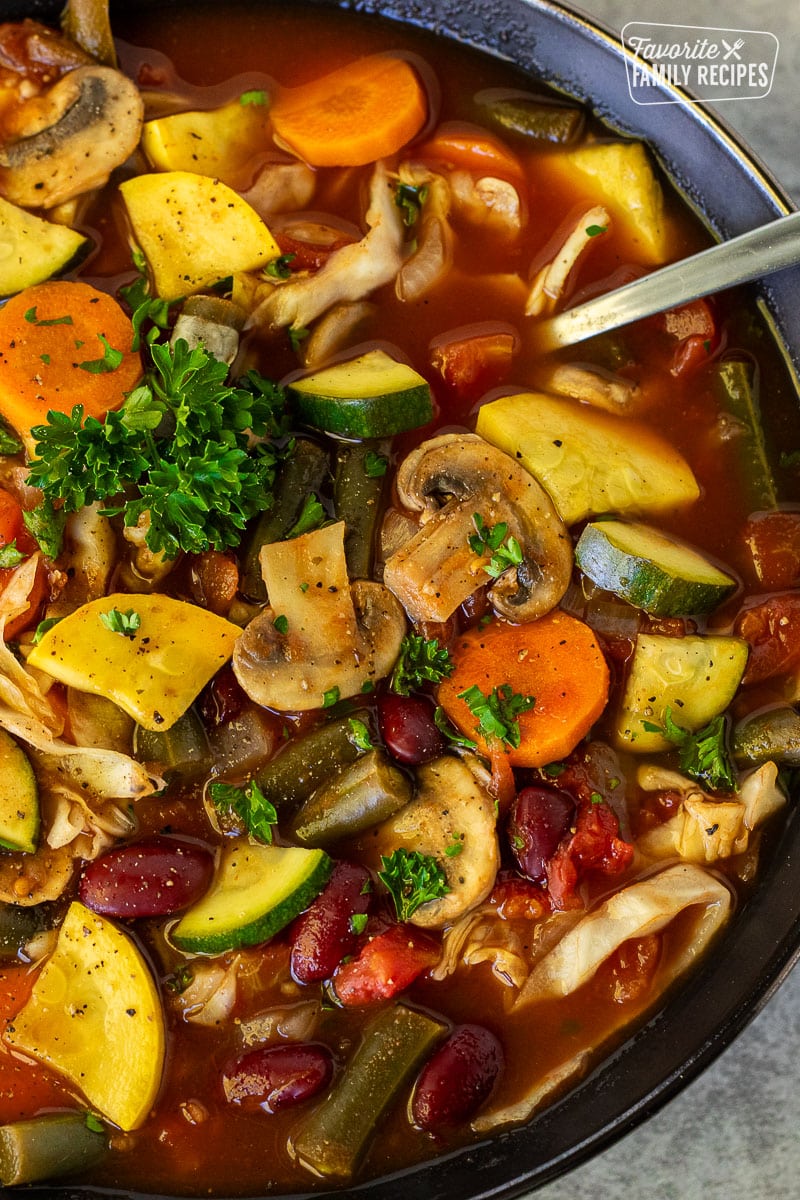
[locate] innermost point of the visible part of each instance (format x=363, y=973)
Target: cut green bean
x=48, y=1146
x=182, y=750
x=303, y=473
x=333, y=1140
x=289, y=778
x=361, y=795
x=737, y=392
x=358, y=487
x=533, y=118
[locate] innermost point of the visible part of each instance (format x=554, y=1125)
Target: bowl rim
x=705, y=1013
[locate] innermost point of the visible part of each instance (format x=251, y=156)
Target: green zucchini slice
x=650, y=570
x=695, y=676
x=257, y=890
x=367, y=397
x=19, y=798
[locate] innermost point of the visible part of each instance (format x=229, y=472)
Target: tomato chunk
x=386, y=966
x=773, y=630
x=773, y=539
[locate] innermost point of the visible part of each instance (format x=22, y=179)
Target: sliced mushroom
x=212, y=322
x=76, y=134
x=596, y=386
x=321, y=636
x=451, y=809
x=434, y=572
x=491, y=203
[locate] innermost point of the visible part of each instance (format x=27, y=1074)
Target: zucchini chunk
x=256, y=892
x=371, y=396
x=650, y=570
x=696, y=677
x=19, y=798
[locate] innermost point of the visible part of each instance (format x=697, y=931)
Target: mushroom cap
x=78, y=132
x=449, y=479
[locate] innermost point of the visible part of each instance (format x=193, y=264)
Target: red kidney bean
x=222, y=700
x=408, y=728
x=149, y=878
x=538, y=820
x=457, y=1078
x=274, y=1077
x=323, y=935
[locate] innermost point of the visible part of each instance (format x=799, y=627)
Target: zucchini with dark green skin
x=308, y=761
x=371, y=396
x=19, y=798
x=303, y=473
x=358, y=490
x=182, y=750
x=332, y=1142
x=46, y=1146
x=361, y=795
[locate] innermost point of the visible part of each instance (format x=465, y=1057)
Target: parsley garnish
x=32, y=319
x=251, y=806
x=144, y=306
x=297, y=335
x=102, y=366
x=595, y=230
x=312, y=516
x=330, y=697
x=358, y=922
x=9, y=442
x=93, y=1122
x=183, y=439
x=420, y=661
x=497, y=713
x=126, y=623
x=281, y=624
x=375, y=465
x=412, y=880
x=410, y=199
x=254, y=96
x=42, y=628
x=359, y=734
x=450, y=732
x=456, y=846
x=702, y=755
x=280, y=267
x=46, y=524
x=10, y=556
x=504, y=549
x=179, y=981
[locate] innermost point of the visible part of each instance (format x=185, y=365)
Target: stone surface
x=732, y=1135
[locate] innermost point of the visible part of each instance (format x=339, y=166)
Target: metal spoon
x=749, y=256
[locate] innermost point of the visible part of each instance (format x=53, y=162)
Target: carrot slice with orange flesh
x=62, y=344
x=355, y=115
x=556, y=659
x=470, y=148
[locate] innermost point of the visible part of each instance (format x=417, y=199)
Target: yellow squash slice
x=194, y=231
x=154, y=672
x=31, y=249
x=95, y=1015
x=222, y=143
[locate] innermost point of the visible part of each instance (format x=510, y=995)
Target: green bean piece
x=87, y=22
x=737, y=393
x=182, y=750
x=358, y=486
x=47, y=1146
x=333, y=1140
x=360, y=795
x=18, y=925
x=296, y=771
x=535, y=119
x=771, y=735
x=303, y=473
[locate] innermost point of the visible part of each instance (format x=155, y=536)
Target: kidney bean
x=149, y=878
x=457, y=1078
x=538, y=820
x=274, y=1077
x=323, y=935
x=408, y=728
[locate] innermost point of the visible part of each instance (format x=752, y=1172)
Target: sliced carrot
x=555, y=659
x=63, y=344
x=470, y=148
x=356, y=115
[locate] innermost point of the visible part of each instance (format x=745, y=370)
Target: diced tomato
x=516, y=898
x=772, y=629
x=628, y=973
x=13, y=530
x=694, y=328
x=470, y=148
x=308, y=255
x=215, y=581
x=470, y=365
x=594, y=846
x=386, y=966
x=773, y=539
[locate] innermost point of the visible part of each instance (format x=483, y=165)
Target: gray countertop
x=732, y=1134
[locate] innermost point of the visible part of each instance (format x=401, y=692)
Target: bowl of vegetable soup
x=398, y=718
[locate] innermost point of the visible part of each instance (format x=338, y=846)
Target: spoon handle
x=749, y=256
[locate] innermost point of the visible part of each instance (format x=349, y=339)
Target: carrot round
x=470, y=148
x=63, y=344
x=555, y=659
x=355, y=115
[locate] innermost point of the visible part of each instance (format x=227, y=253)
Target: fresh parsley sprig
x=498, y=713
x=127, y=623
x=702, y=755
x=421, y=660
x=251, y=806
x=412, y=879
x=503, y=549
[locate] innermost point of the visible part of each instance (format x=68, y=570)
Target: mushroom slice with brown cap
x=321, y=636
x=450, y=479
x=452, y=818
x=76, y=134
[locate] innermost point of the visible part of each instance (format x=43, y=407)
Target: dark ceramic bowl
x=732, y=193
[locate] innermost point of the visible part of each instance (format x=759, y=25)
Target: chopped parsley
x=503, y=549
x=281, y=624
x=109, y=362
x=249, y=804
x=93, y=1122
x=43, y=627
x=375, y=465
x=421, y=660
x=9, y=442
x=359, y=734
x=412, y=880
x=330, y=697
x=595, y=230
x=450, y=732
x=410, y=199
x=358, y=922
x=280, y=267
x=32, y=319
x=497, y=714
x=10, y=556
x=702, y=755
x=255, y=96
x=145, y=309
x=126, y=623
x=312, y=516
x=46, y=524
